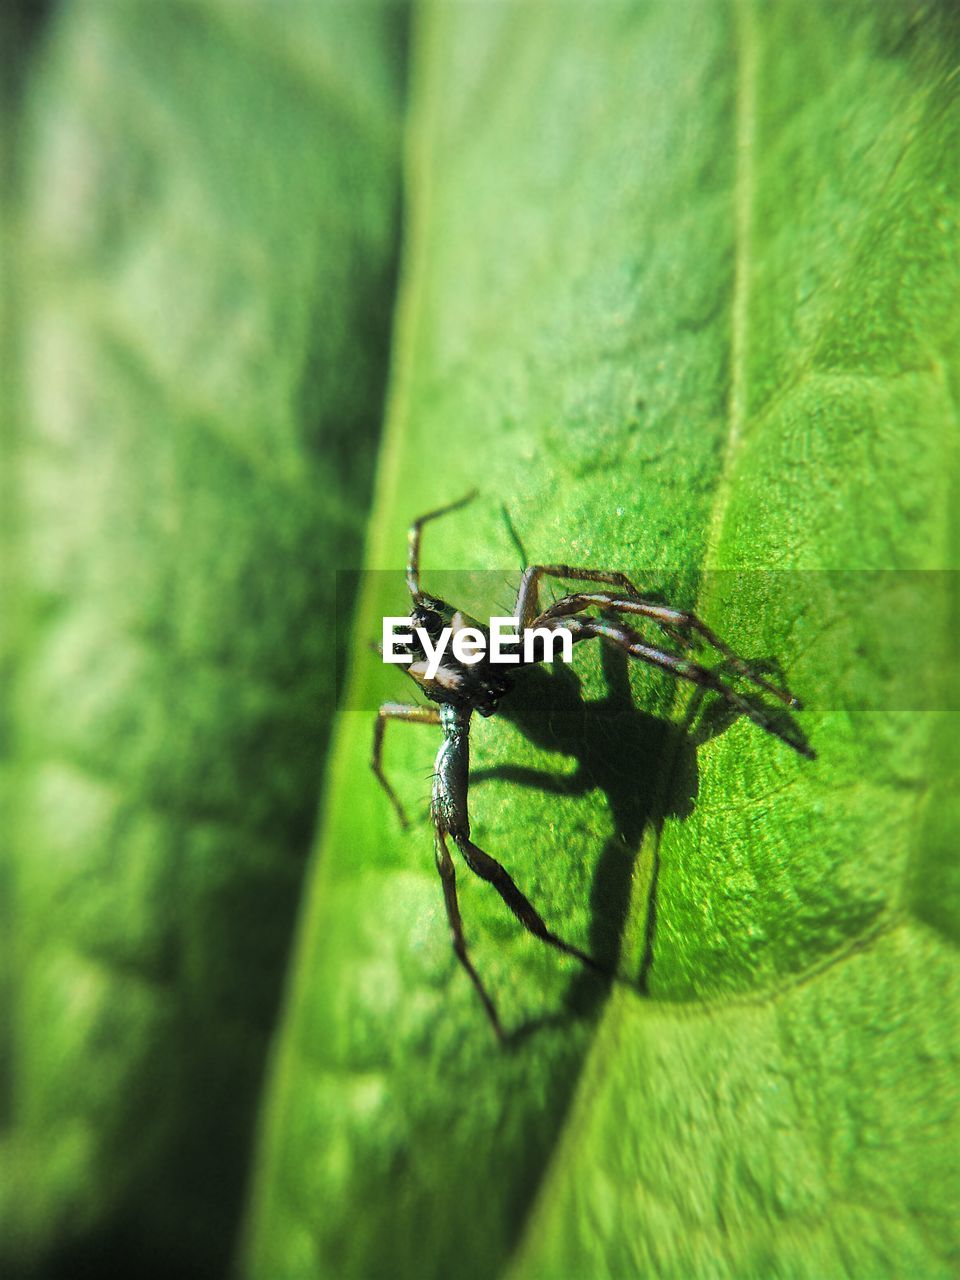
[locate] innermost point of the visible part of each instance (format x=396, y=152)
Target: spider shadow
x=647, y=770
x=619, y=750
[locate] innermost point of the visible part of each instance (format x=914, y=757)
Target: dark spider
x=459, y=689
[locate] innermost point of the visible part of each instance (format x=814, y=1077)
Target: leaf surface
x=680, y=288
x=203, y=229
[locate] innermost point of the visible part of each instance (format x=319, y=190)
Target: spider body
x=467, y=686
x=459, y=688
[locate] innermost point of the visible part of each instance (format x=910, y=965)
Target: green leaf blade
x=206, y=241
x=649, y=306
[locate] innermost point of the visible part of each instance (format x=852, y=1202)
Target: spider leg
x=489, y=869
x=527, y=607
x=396, y=711
x=681, y=625
x=413, y=539
x=448, y=877
x=684, y=669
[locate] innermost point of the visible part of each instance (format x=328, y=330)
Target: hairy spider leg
x=684, y=669
x=677, y=623
x=396, y=711
x=489, y=869
x=413, y=539
x=527, y=607
x=448, y=878
x=450, y=817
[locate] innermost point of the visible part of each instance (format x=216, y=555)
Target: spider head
x=475, y=686
x=432, y=614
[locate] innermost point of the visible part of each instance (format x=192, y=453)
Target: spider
x=458, y=689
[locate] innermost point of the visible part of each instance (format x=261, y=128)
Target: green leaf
x=204, y=230
x=680, y=291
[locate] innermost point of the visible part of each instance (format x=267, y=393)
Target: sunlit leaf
x=680, y=292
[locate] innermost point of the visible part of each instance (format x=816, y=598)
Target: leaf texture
x=679, y=291
x=203, y=239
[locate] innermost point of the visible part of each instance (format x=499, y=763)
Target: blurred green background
x=676, y=286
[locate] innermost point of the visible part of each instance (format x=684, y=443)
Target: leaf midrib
x=603, y=1043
